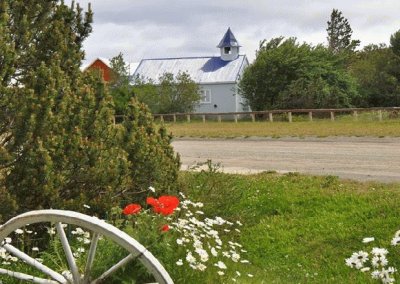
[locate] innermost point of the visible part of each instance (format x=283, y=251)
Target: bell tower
x=229, y=46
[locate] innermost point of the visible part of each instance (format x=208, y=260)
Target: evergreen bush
x=59, y=147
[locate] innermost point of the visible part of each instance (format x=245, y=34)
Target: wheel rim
x=98, y=228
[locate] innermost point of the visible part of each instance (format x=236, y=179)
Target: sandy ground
x=359, y=158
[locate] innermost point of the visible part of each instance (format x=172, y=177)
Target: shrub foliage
x=59, y=147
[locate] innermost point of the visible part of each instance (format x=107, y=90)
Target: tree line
x=287, y=74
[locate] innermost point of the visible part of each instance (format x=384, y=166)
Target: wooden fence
x=236, y=116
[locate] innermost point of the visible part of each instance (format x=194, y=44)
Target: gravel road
x=347, y=157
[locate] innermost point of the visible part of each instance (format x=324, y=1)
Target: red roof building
x=102, y=66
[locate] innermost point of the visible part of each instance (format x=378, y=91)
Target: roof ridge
x=183, y=57
x=186, y=57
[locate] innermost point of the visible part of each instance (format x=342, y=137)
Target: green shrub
x=59, y=147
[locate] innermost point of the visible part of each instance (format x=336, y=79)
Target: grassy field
x=320, y=128
x=296, y=229
x=299, y=229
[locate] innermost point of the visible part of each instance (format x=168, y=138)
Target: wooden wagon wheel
x=98, y=228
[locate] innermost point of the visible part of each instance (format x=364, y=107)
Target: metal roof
x=228, y=40
x=201, y=69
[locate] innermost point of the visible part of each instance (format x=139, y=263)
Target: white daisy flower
x=220, y=265
x=368, y=240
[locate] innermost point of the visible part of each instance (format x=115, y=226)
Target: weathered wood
x=162, y=118
x=253, y=117
x=90, y=257
x=26, y=277
x=355, y=115
x=290, y=116
x=88, y=223
x=68, y=253
x=113, y=269
x=271, y=112
x=219, y=118
x=33, y=262
x=332, y=115
x=236, y=117
x=204, y=118
x=310, y=116
x=271, y=117
x=380, y=117
x=188, y=117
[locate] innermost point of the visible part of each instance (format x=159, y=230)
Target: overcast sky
x=175, y=28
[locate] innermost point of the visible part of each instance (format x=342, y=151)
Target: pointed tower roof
x=228, y=40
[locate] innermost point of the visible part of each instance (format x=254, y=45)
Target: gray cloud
x=170, y=28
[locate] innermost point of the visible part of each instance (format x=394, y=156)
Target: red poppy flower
x=165, y=228
x=164, y=204
x=132, y=209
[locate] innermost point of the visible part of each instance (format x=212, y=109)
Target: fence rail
x=236, y=116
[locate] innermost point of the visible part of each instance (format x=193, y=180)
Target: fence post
x=271, y=117
x=236, y=118
x=355, y=114
x=380, y=115
x=174, y=118
x=161, y=118
x=188, y=117
x=204, y=118
x=290, y=116
x=253, y=117
x=310, y=115
x=219, y=118
x=332, y=116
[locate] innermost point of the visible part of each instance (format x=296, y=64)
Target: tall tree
x=395, y=43
x=120, y=86
x=339, y=33
x=378, y=76
x=286, y=74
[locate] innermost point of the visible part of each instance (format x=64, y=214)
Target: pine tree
x=59, y=147
x=395, y=43
x=339, y=33
x=120, y=86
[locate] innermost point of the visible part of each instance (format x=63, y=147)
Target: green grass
x=320, y=128
x=299, y=229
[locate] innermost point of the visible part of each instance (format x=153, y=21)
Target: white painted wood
x=271, y=117
x=90, y=258
x=95, y=225
x=33, y=262
x=26, y=277
x=68, y=253
x=113, y=269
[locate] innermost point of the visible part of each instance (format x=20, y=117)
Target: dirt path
x=347, y=157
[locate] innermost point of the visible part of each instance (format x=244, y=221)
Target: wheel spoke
x=68, y=253
x=96, y=226
x=90, y=258
x=33, y=262
x=113, y=269
x=26, y=277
